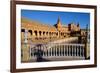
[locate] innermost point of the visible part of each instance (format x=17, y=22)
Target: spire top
x=58, y=22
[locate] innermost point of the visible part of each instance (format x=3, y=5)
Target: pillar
x=80, y=50
x=52, y=52
x=60, y=51
x=55, y=51
x=48, y=52
x=72, y=50
x=64, y=50
x=67, y=50
x=77, y=51
x=30, y=51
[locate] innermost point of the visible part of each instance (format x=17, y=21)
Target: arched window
x=30, y=31
x=22, y=30
x=49, y=33
x=43, y=32
x=52, y=33
x=57, y=33
x=35, y=32
x=61, y=34
x=40, y=33
x=46, y=33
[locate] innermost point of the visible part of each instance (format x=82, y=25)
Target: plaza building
x=35, y=32
x=45, y=32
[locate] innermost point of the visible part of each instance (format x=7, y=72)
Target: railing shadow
x=39, y=54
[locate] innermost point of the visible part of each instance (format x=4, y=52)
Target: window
x=43, y=33
x=57, y=33
x=49, y=33
x=46, y=33
x=30, y=31
x=35, y=32
x=40, y=33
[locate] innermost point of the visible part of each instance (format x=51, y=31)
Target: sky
x=51, y=17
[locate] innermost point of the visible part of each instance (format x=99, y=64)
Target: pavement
x=56, y=58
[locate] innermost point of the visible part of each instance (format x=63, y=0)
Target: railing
x=52, y=50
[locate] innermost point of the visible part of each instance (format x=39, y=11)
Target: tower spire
x=58, y=22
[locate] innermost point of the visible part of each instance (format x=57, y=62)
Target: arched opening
x=35, y=33
x=50, y=33
x=57, y=33
x=46, y=33
x=40, y=33
x=43, y=32
x=22, y=30
x=30, y=31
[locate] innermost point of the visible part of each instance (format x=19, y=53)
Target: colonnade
x=44, y=34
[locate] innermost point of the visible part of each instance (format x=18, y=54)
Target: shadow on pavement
x=39, y=55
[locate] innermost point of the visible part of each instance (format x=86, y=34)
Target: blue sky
x=51, y=17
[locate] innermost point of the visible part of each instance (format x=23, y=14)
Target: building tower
x=58, y=23
x=59, y=27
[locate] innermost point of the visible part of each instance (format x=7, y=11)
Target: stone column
x=82, y=51
x=42, y=48
x=77, y=51
x=48, y=52
x=56, y=50
x=30, y=51
x=64, y=50
x=60, y=51
x=69, y=51
x=52, y=52
x=72, y=50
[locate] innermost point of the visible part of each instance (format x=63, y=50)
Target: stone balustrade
x=75, y=50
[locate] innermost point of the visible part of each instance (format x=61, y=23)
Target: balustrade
x=59, y=50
